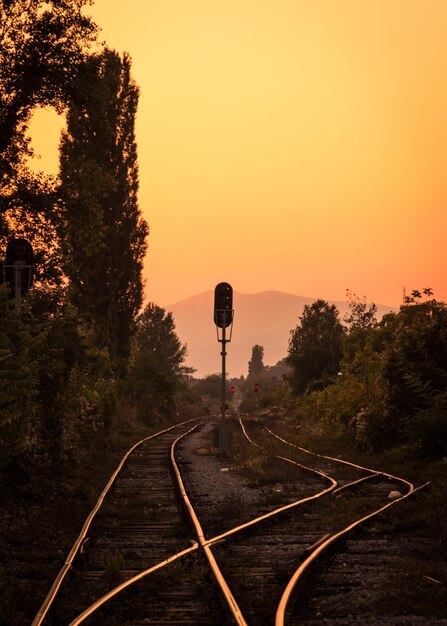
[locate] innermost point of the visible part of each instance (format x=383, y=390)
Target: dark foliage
x=256, y=365
x=315, y=347
x=392, y=388
x=105, y=233
x=158, y=365
x=42, y=46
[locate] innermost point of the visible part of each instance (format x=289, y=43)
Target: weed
x=205, y=451
x=113, y=564
x=231, y=507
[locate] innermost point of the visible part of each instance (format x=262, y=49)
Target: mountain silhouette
x=264, y=318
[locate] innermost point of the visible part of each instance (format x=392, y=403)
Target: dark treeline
x=382, y=384
x=388, y=386
x=82, y=357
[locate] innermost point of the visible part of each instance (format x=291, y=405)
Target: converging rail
x=328, y=541
x=255, y=565
x=226, y=592
x=201, y=544
x=234, y=608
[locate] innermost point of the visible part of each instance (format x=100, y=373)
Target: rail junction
x=174, y=539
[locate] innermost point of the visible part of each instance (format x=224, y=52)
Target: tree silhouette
x=104, y=232
x=158, y=364
x=315, y=347
x=361, y=314
x=42, y=46
x=417, y=295
x=256, y=365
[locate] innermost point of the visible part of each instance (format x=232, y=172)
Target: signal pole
x=224, y=354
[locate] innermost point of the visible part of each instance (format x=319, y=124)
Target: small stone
x=394, y=495
x=225, y=469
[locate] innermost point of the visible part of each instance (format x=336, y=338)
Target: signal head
x=223, y=305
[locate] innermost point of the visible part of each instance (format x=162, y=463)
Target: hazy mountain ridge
x=264, y=318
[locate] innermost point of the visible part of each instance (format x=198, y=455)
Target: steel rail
x=42, y=612
x=265, y=516
x=229, y=598
x=344, y=462
x=285, y=599
x=357, y=482
x=300, y=572
x=291, y=505
x=309, y=469
x=127, y=583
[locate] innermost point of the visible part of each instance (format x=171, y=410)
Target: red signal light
x=231, y=389
x=256, y=387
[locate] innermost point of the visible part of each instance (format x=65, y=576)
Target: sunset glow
x=293, y=146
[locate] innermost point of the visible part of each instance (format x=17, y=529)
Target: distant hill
x=264, y=318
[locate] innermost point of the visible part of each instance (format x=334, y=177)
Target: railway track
x=260, y=558
x=143, y=565
x=140, y=528
x=354, y=558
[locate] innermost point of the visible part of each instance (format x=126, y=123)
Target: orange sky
x=286, y=144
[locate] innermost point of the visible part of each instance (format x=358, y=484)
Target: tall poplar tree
x=104, y=232
x=256, y=365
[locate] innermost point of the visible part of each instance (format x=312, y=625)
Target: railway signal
x=223, y=305
x=256, y=388
x=223, y=319
x=231, y=390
